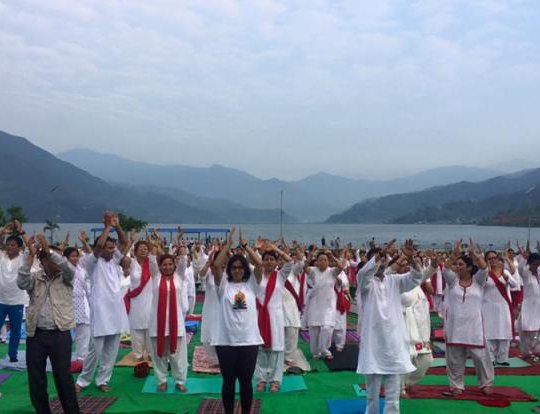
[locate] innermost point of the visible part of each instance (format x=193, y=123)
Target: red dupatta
x=265, y=327
x=145, y=277
x=342, y=304
x=501, y=287
x=162, y=316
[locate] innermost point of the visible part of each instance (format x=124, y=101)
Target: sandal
x=453, y=392
x=104, y=388
x=274, y=387
x=261, y=387
x=181, y=388
x=162, y=387
x=487, y=391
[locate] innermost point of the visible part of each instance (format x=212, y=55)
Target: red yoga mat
x=532, y=370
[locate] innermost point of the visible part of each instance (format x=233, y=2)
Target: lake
x=424, y=234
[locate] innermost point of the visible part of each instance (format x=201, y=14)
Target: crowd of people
x=258, y=295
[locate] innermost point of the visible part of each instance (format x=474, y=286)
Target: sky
x=276, y=88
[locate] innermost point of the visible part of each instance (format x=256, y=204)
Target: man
x=12, y=299
x=48, y=323
x=108, y=317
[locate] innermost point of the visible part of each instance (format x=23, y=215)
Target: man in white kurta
x=108, y=318
x=383, y=352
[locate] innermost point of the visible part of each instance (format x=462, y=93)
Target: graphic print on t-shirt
x=239, y=301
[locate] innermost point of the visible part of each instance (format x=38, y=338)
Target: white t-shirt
x=237, y=321
x=10, y=294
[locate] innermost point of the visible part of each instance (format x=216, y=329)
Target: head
x=237, y=269
x=72, y=254
x=13, y=246
x=167, y=265
x=492, y=258
x=51, y=269
x=141, y=249
x=465, y=266
x=511, y=254
x=400, y=265
x=372, y=252
x=109, y=249
x=270, y=261
x=534, y=262
x=322, y=261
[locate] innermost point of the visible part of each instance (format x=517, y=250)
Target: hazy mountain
x=49, y=188
x=408, y=207
x=313, y=198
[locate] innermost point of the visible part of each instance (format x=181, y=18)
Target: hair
x=109, y=239
x=139, y=244
x=245, y=265
x=490, y=251
x=69, y=250
x=372, y=252
x=163, y=257
x=533, y=257
x=270, y=253
x=469, y=263
x=16, y=239
x=321, y=254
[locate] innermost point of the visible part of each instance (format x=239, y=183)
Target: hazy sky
x=276, y=88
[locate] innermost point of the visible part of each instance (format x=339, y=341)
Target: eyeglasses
x=237, y=267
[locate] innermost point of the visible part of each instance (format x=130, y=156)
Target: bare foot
x=104, y=388
x=261, y=386
x=181, y=388
x=274, y=387
x=162, y=387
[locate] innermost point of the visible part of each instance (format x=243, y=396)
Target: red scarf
x=353, y=270
x=162, y=316
x=342, y=304
x=290, y=288
x=301, y=295
x=501, y=287
x=264, y=316
x=145, y=277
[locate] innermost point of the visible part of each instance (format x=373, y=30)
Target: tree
x=129, y=223
x=50, y=226
x=16, y=213
x=2, y=218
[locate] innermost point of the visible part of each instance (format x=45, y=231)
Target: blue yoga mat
x=357, y=406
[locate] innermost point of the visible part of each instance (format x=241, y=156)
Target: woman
x=237, y=336
x=81, y=304
x=166, y=325
x=497, y=308
x=466, y=278
x=321, y=311
x=529, y=318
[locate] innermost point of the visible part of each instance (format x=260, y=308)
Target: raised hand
x=387, y=248
x=133, y=236
x=230, y=237
x=17, y=226
x=457, y=248
x=82, y=236
x=241, y=239
x=408, y=248
x=42, y=240
x=108, y=218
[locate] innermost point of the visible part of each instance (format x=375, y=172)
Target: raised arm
x=253, y=256
x=221, y=258
x=481, y=276
x=84, y=240
x=122, y=239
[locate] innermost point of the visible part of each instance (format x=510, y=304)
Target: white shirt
x=139, y=313
x=210, y=310
x=529, y=317
x=321, y=306
x=495, y=310
x=10, y=294
x=238, y=325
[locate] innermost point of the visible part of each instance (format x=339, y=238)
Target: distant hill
x=460, y=202
x=311, y=199
x=49, y=188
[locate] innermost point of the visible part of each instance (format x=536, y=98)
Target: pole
x=281, y=215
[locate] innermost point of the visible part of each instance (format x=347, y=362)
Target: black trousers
x=56, y=345
x=237, y=362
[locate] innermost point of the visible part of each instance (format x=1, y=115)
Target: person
x=166, y=325
x=138, y=299
x=321, y=305
x=81, y=304
x=270, y=358
x=343, y=306
x=497, y=307
x=237, y=336
x=12, y=299
x=107, y=310
x=466, y=277
x=48, y=323
x=383, y=353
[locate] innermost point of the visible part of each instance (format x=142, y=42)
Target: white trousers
x=291, y=342
x=178, y=361
x=527, y=342
x=82, y=340
x=498, y=350
x=269, y=367
x=3, y=332
x=391, y=392
x=102, y=352
x=320, y=338
x=422, y=362
x=339, y=337
x=456, y=357
x=140, y=342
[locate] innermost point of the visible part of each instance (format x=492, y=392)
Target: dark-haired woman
x=166, y=325
x=237, y=336
x=529, y=317
x=466, y=278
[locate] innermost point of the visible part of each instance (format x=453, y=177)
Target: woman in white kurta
x=140, y=298
x=321, y=304
x=497, y=309
x=529, y=318
x=339, y=333
x=168, y=347
x=383, y=354
x=293, y=299
x=210, y=309
x=463, y=320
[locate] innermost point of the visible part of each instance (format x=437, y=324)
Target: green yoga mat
x=360, y=392
x=514, y=363
x=213, y=385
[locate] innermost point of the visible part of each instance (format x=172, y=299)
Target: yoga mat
x=346, y=360
x=194, y=317
x=192, y=326
x=514, y=363
x=129, y=360
x=213, y=385
x=350, y=337
x=214, y=406
x=501, y=397
x=357, y=406
x=298, y=359
x=201, y=362
x=87, y=405
x=20, y=365
x=359, y=391
x=4, y=377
